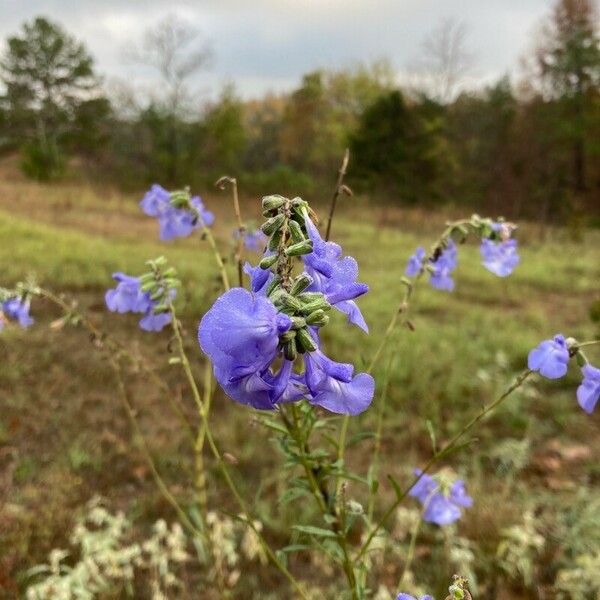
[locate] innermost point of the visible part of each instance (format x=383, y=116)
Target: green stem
x=249, y=518
x=411, y=554
x=336, y=192
x=213, y=245
x=320, y=494
x=438, y=456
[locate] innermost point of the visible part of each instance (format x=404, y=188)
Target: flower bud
x=301, y=283
x=272, y=202
x=290, y=302
x=298, y=322
x=268, y=261
x=274, y=241
x=289, y=350
x=304, y=341
x=305, y=247
x=315, y=305
x=287, y=336
x=180, y=198
x=318, y=318
x=296, y=231
x=272, y=225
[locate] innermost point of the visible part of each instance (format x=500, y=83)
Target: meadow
x=532, y=469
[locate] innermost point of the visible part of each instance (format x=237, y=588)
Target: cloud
x=269, y=44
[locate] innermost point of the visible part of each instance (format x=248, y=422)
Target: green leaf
x=359, y=437
x=316, y=531
x=295, y=548
x=396, y=486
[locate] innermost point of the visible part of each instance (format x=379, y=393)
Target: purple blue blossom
x=500, y=258
x=17, y=309
x=255, y=241
x=241, y=335
x=128, y=296
x=403, y=596
x=550, y=358
x=588, y=392
x=441, y=269
x=334, y=276
x=442, y=504
x=175, y=222
x=415, y=262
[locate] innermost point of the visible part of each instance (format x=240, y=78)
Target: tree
x=444, y=61
x=49, y=79
x=567, y=70
x=392, y=150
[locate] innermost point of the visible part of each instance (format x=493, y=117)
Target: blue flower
x=334, y=276
x=550, y=358
x=440, y=506
x=588, y=393
x=259, y=278
x=500, y=258
x=415, y=262
x=403, y=596
x=174, y=222
x=255, y=241
x=333, y=385
x=16, y=309
x=241, y=335
x=441, y=269
x=127, y=296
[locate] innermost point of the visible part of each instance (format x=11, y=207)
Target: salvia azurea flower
x=442, y=501
x=403, y=596
x=588, y=393
x=500, y=258
x=440, y=270
x=241, y=334
x=16, y=309
x=128, y=296
x=254, y=241
x=550, y=358
x=334, y=276
x=175, y=221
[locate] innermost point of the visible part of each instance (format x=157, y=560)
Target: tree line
x=524, y=149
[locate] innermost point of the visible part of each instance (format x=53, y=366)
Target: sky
x=266, y=45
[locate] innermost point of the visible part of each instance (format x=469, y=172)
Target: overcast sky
x=263, y=45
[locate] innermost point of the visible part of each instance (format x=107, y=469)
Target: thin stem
x=249, y=520
x=241, y=226
x=377, y=449
x=321, y=496
x=124, y=396
x=213, y=245
x=116, y=346
x=336, y=192
x=439, y=455
x=411, y=553
x=590, y=343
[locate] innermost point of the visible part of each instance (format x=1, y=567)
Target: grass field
x=64, y=437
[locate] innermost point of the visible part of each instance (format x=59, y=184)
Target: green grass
x=64, y=422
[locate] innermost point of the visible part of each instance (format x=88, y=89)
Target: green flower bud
x=304, y=341
x=287, y=336
x=305, y=247
x=298, y=323
x=268, y=261
x=273, y=285
x=296, y=231
x=317, y=318
x=272, y=225
x=180, y=198
x=311, y=307
x=274, y=241
x=290, y=302
x=149, y=285
x=300, y=283
x=289, y=350
x=272, y=202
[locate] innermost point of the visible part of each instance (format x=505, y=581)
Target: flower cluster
x=498, y=252
x=148, y=294
x=255, y=338
x=442, y=500
x=15, y=309
x=178, y=214
x=551, y=360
